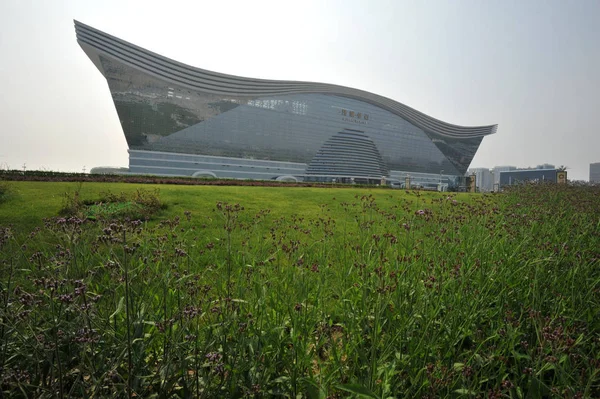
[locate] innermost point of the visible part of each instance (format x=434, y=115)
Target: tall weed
x=497, y=296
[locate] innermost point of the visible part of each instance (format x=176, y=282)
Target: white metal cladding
x=221, y=84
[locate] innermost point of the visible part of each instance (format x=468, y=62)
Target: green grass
x=300, y=292
x=4, y=191
x=31, y=202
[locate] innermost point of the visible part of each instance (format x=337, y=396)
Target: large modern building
x=181, y=120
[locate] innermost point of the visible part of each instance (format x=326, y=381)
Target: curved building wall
x=175, y=122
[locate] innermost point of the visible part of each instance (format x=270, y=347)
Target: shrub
x=140, y=205
x=73, y=205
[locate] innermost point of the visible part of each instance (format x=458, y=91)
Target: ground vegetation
x=300, y=292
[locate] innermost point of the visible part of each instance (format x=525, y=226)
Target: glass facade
x=184, y=121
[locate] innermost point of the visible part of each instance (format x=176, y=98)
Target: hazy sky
x=532, y=67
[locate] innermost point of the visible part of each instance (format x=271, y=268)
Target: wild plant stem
x=127, y=316
x=5, y=313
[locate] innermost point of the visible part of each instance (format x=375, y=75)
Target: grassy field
x=301, y=292
x=31, y=202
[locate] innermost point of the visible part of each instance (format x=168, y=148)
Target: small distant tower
x=595, y=172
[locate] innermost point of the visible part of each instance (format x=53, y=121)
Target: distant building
x=496, y=172
x=545, y=166
x=595, y=172
x=509, y=178
x=484, y=179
